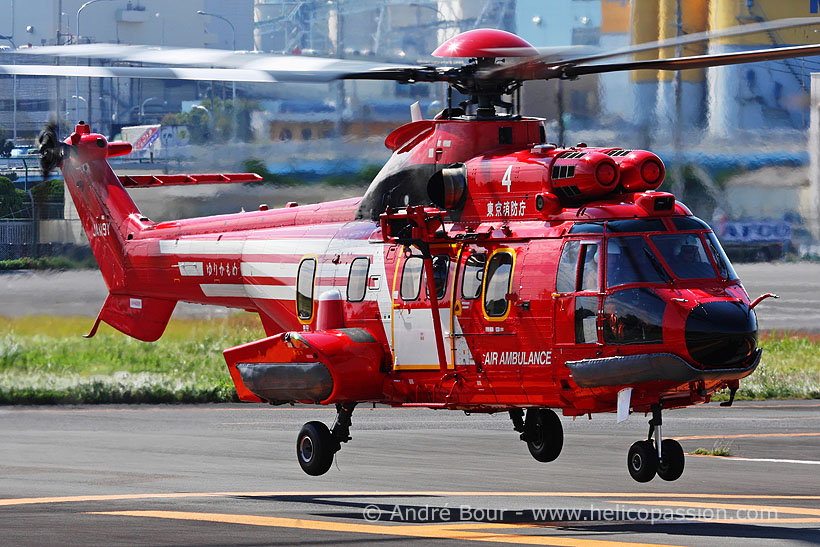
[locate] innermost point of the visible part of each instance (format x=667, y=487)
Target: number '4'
x=507, y=179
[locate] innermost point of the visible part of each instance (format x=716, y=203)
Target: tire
x=315, y=448
x=642, y=461
x=670, y=468
x=545, y=434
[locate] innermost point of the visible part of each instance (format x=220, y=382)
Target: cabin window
x=304, y=288
x=497, y=284
x=633, y=316
x=473, y=276
x=357, y=279
x=411, y=278
x=632, y=260
x=441, y=267
x=685, y=255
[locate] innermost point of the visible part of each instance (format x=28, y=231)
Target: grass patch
x=48, y=263
x=720, y=448
x=789, y=369
x=45, y=360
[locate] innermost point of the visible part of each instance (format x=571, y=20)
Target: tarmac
x=227, y=475
x=83, y=293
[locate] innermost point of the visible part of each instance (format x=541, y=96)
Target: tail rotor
x=52, y=151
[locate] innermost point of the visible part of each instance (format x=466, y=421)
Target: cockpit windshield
x=661, y=257
x=630, y=259
x=685, y=255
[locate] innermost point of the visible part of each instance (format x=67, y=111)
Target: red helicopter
x=484, y=270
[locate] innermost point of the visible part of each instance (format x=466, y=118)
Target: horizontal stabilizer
x=141, y=318
x=148, y=181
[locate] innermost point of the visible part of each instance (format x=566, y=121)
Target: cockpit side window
x=724, y=266
x=589, y=267
x=566, y=279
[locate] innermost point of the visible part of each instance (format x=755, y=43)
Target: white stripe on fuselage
x=234, y=247
x=260, y=292
x=275, y=270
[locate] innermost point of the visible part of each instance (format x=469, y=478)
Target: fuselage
x=560, y=277
x=515, y=305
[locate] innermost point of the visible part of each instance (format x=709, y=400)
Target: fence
x=17, y=238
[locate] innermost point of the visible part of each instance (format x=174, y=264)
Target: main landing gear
x=663, y=457
x=316, y=444
x=541, y=431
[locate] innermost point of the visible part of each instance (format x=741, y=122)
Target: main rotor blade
x=162, y=73
x=296, y=68
x=699, y=61
x=543, y=67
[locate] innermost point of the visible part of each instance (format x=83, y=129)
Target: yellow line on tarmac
x=423, y=531
x=403, y=493
x=776, y=509
x=111, y=497
x=747, y=436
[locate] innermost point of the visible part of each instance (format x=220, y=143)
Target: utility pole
x=678, y=186
x=233, y=84
x=340, y=85
x=813, y=213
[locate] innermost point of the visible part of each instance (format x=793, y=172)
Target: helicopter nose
x=721, y=334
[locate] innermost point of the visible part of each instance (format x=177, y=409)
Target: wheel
x=670, y=468
x=642, y=461
x=315, y=448
x=544, y=433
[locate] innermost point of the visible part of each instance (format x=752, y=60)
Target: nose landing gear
x=316, y=444
x=663, y=457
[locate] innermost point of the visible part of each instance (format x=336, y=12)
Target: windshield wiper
x=657, y=265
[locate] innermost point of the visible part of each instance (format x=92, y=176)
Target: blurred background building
x=710, y=126
x=721, y=100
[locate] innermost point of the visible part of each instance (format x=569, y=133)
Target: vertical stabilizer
x=107, y=212
x=110, y=218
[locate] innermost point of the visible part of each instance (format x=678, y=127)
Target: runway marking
x=746, y=436
x=425, y=531
x=776, y=509
x=401, y=493
x=771, y=460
